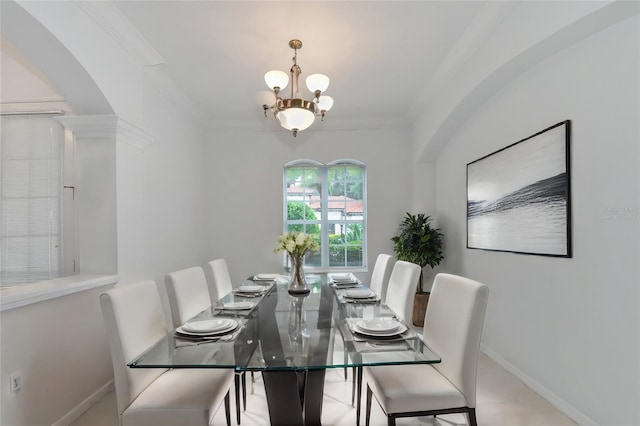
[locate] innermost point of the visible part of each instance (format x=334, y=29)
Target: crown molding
x=90, y=126
x=133, y=135
x=122, y=31
x=107, y=126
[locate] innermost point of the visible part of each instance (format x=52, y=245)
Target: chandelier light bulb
x=295, y=118
x=317, y=82
x=325, y=103
x=276, y=78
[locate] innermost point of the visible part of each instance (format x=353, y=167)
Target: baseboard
x=562, y=405
x=85, y=405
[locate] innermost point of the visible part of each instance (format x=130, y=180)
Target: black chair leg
x=353, y=388
x=472, y=417
x=237, y=386
x=368, y=414
x=244, y=391
x=391, y=421
x=346, y=361
x=358, y=372
x=227, y=408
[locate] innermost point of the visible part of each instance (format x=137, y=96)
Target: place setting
x=251, y=290
x=379, y=331
x=265, y=278
x=236, y=307
x=360, y=295
x=210, y=330
x=344, y=280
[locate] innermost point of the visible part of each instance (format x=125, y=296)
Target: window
x=31, y=183
x=329, y=202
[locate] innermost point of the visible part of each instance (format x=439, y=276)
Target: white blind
x=31, y=191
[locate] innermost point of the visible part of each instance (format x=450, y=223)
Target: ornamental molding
x=107, y=126
x=122, y=31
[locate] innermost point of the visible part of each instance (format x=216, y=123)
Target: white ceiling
x=379, y=55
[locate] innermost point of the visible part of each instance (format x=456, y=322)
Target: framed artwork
x=518, y=198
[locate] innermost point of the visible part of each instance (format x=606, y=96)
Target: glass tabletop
x=278, y=331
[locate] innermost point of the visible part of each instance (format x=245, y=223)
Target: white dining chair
x=402, y=286
x=380, y=275
x=134, y=321
x=188, y=294
x=378, y=283
x=220, y=284
x=453, y=329
x=403, y=283
x=219, y=280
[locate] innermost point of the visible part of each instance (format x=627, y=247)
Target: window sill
x=27, y=294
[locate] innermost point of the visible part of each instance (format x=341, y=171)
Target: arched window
x=329, y=202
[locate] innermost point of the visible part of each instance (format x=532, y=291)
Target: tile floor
x=502, y=400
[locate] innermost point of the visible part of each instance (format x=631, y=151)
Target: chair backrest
x=219, y=279
x=453, y=329
x=188, y=294
x=402, y=288
x=134, y=320
x=380, y=275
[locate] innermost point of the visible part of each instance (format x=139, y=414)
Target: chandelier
x=294, y=113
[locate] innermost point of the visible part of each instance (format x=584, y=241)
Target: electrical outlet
x=15, y=381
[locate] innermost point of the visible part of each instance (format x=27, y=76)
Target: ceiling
x=379, y=55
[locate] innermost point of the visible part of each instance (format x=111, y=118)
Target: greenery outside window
x=328, y=202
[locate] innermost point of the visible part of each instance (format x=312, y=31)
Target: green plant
x=299, y=210
x=418, y=242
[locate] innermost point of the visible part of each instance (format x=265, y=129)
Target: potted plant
x=421, y=244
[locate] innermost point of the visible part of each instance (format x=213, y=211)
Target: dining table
x=292, y=340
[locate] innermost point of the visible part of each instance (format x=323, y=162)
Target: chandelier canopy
x=294, y=113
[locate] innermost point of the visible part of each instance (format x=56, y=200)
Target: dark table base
x=294, y=397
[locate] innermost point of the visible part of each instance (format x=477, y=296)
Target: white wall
x=155, y=195
x=243, y=188
x=60, y=347
x=172, y=174
x=568, y=326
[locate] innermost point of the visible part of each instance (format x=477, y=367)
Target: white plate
x=343, y=277
x=238, y=305
x=250, y=289
x=266, y=277
x=374, y=299
x=181, y=331
x=209, y=326
x=392, y=331
x=358, y=330
x=379, y=334
x=379, y=325
x=364, y=293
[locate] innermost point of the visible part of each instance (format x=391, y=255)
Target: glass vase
x=297, y=283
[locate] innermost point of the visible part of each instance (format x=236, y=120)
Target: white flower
x=297, y=244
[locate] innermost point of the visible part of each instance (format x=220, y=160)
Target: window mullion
x=324, y=235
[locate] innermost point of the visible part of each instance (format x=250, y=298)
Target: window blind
x=31, y=148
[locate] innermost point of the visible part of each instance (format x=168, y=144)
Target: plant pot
x=420, y=302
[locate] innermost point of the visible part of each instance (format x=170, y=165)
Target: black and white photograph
x=518, y=198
